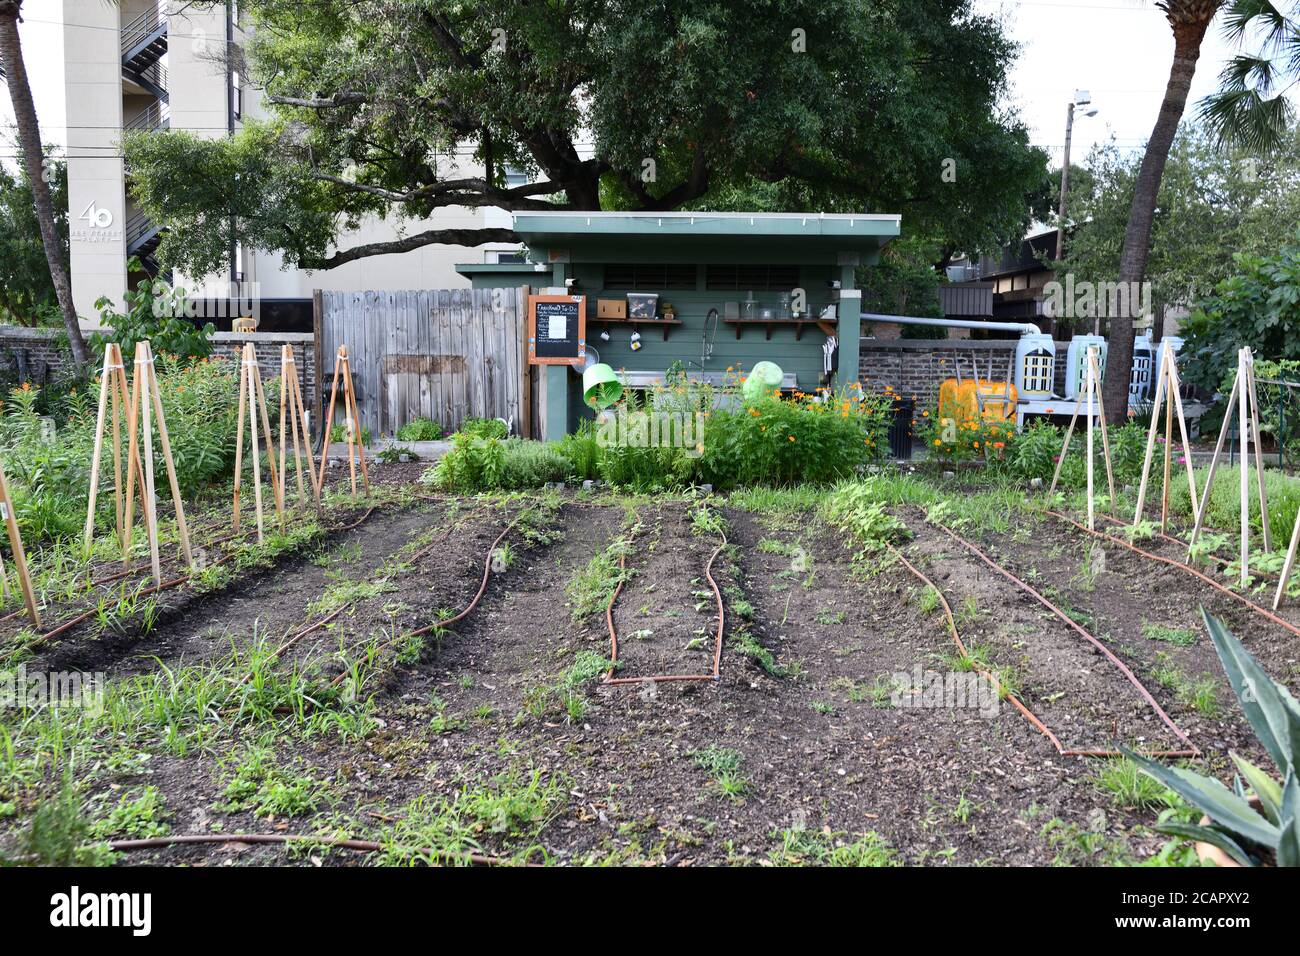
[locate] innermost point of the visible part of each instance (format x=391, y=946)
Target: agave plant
x=1244, y=834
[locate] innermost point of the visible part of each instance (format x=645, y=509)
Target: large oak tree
x=402, y=108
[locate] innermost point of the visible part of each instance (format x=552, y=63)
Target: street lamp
x=1082, y=99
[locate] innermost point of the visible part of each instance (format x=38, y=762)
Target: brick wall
x=31, y=354
x=916, y=367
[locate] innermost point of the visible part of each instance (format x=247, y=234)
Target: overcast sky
x=1118, y=50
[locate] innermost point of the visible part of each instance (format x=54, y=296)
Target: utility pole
x=1081, y=98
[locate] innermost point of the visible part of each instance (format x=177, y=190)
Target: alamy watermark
x=953, y=690
x=211, y=300
x=651, y=429
x=1091, y=300
x=24, y=689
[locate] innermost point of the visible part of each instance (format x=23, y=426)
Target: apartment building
x=146, y=65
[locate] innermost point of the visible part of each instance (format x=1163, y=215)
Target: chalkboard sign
x=557, y=329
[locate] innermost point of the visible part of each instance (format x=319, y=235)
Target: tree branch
x=447, y=237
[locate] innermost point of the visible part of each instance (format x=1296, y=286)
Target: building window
x=236, y=95
x=647, y=277
x=237, y=263
x=757, y=278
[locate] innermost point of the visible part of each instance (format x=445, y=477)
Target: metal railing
x=143, y=25
x=156, y=116
x=138, y=227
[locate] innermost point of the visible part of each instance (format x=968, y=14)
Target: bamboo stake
x=20, y=556
x=101, y=414
x=142, y=361
x=1105, y=434
x=118, y=407
x=1169, y=453
x=283, y=388
x=1151, y=446
x=256, y=376
x=1065, y=448
x=1170, y=363
x=329, y=418
x=1289, y=563
x=1090, y=386
x=306, y=441
x=251, y=372
x=164, y=440
x=1259, y=452
x=290, y=398
x=1214, y=464
x=239, y=437
x=349, y=405
x=132, y=455
x=1242, y=420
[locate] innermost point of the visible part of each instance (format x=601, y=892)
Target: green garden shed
x=709, y=290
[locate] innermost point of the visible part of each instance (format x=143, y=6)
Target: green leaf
x=1271, y=710
x=1212, y=798
x=1211, y=835
x=1288, y=844
x=1266, y=788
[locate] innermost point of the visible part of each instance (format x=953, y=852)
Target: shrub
x=494, y=464
x=420, y=429
x=484, y=428
x=49, y=468
x=782, y=441
x=152, y=315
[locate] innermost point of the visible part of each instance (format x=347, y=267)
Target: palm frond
x=1246, y=119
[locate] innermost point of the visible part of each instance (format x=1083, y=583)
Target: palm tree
x=29, y=145
x=1250, y=109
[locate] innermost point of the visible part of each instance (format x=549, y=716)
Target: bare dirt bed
x=808, y=730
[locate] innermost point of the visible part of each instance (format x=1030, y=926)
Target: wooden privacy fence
x=444, y=354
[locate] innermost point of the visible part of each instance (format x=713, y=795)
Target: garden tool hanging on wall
x=830, y=359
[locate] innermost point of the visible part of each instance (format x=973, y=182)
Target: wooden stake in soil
x=113, y=403
x=20, y=556
x=252, y=401
x=1169, y=399
x=1094, y=409
x=343, y=371
x=293, y=426
x=1243, y=398
x=145, y=406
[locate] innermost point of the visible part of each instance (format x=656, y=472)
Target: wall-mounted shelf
x=666, y=323
x=797, y=324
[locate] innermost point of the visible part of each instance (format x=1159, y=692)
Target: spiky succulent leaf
x=1288, y=843
x=1271, y=710
x=1266, y=788
x=1212, y=798
x=1207, y=834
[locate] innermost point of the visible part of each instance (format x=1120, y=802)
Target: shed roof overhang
x=829, y=232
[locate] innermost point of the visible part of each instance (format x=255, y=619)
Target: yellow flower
x=792, y=438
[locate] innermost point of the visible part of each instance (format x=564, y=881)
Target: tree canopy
x=26, y=289
x=1213, y=202
x=400, y=108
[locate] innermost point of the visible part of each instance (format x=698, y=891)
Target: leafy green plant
x=154, y=313
x=420, y=429
x=1249, y=837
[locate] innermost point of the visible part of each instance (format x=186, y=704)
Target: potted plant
x=1257, y=821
